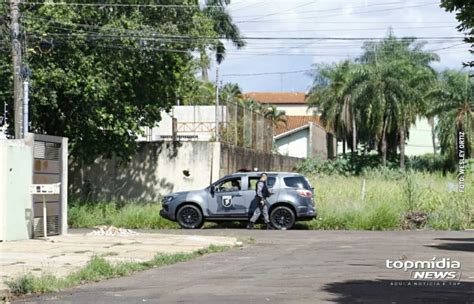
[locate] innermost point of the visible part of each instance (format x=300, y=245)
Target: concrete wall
x=319, y=145
x=295, y=144
x=157, y=169
x=16, y=214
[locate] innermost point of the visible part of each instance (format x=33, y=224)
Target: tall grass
x=130, y=215
x=389, y=197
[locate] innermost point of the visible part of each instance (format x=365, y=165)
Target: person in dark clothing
x=262, y=193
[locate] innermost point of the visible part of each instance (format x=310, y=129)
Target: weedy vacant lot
x=379, y=201
x=372, y=201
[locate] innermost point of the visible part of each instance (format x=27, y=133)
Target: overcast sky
x=328, y=18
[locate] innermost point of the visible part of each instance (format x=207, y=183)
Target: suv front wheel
x=190, y=217
x=282, y=217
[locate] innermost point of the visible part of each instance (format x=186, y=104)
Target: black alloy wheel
x=282, y=218
x=190, y=217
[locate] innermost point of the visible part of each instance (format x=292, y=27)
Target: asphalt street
x=296, y=267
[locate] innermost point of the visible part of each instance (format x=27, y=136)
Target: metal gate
x=49, y=167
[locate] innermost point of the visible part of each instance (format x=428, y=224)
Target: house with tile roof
x=293, y=103
x=303, y=134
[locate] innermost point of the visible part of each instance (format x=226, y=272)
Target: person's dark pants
x=261, y=209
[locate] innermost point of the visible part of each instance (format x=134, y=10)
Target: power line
x=269, y=73
x=171, y=6
x=338, y=15
x=285, y=10
x=186, y=37
x=337, y=9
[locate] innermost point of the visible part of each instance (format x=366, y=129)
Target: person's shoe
x=250, y=226
x=270, y=227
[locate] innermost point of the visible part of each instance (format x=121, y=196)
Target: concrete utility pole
x=16, y=57
x=217, y=103
x=25, y=108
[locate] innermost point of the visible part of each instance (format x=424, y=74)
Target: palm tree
x=276, y=116
x=224, y=26
x=331, y=94
x=452, y=101
x=377, y=94
x=404, y=74
x=206, y=94
x=230, y=92
x=252, y=105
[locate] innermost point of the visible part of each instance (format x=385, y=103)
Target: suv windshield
x=299, y=182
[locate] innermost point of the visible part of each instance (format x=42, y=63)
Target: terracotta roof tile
x=278, y=98
x=294, y=122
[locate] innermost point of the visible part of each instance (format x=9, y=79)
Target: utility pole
x=217, y=103
x=25, y=108
x=16, y=57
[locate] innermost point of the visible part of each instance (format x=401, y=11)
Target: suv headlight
x=167, y=199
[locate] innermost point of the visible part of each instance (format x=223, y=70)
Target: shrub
x=356, y=164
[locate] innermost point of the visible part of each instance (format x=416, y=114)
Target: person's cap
x=263, y=173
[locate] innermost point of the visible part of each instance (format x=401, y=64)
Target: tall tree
x=107, y=71
x=331, y=94
x=452, y=102
x=403, y=59
x=224, y=26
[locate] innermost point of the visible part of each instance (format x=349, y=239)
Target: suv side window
x=254, y=180
x=297, y=182
x=228, y=185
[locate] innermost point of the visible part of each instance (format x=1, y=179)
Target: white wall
x=295, y=110
x=420, y=141
x=295, y=145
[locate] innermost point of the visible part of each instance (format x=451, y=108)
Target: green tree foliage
x=465, y=15
x=276, y=116
x=452, y=102
x=225, y=27
x=102, y=73
x=331, y=93
x=375, y=100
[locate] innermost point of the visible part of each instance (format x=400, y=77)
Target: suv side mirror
x=212, y=189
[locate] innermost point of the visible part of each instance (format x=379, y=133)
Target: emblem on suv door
x=227, y=200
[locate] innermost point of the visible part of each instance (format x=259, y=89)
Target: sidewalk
x=63, y=254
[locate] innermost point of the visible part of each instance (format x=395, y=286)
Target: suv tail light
x=304, y=193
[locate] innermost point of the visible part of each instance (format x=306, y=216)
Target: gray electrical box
x=16, y=214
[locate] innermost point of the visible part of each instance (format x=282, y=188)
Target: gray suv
x=232, y=198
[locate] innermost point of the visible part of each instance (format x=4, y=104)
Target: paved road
x=295, y=267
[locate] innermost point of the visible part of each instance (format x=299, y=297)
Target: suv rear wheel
x=282, y=217
x=190, y=217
